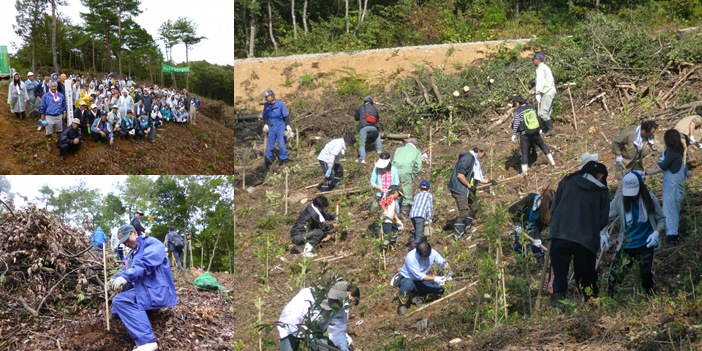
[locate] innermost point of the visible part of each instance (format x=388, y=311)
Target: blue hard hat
x=424, y=185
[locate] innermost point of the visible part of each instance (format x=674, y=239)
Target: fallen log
x=501, y=120
x=408, y=101
x=341, y=191
x=424, y=90
x=395, y=136
x=435, y=88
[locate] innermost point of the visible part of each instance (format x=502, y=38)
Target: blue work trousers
x=176, y=254
x=367, y=132
x=275, y=132
x=125, y=306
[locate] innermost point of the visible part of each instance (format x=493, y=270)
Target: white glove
x=514, y=138
x=604, y=239
x=653, y=240
x=537, y=243
x=699, y=145
x=441, y=280
x=400, y=226
x=692, y=139
x=538, y=98
x=289, y=134
x=265, y=129
x=288, y=128
x=118, y=283
x=619, y=159
x=518, y=229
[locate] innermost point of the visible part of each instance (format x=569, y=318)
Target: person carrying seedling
x=390, y=219
x=415, y=285
x=311, y=226
x=329, y=160
x=642, y=221
x=463, y=186
x=421, y=212
x=531, y=215
x=526, y=125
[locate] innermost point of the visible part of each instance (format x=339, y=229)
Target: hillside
x=178, y=149
x=273, y=275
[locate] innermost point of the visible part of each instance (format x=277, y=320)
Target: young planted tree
x=186, y=29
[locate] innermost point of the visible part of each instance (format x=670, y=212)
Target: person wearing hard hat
x=144, y=284
x=277, y=127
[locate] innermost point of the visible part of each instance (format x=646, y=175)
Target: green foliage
x=308, y=81
x=351, y=83
x=686, y=49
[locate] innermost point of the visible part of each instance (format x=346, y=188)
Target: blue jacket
x=104, y=126
x=275, y=113
x=149, y=274
x=50, y=107
x=98, y=237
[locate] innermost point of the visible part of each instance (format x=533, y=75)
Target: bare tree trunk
x=94, y=68
x=252, y=37
x=360, y=10
x=214, y=248
x=304, y=16
x=365, y=9
x=270, y=26
x=108, y=53
x=187, y=75
x=516, y=11
x=294, y=22
x=53, y=34
x=346, y=16
x=119, y=39
x=597, y=4
x=34, y=68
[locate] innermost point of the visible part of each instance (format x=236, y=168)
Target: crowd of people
x=576, y=215
x=100, y=108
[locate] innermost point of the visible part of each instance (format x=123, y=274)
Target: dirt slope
x=178, y=149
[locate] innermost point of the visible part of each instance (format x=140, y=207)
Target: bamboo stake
x=260, y=333
x=286, y=191
x=575, y=120
x=107, y=301
x=243, y=178
x=504, y=289
x=431, y=133
x=336, y=213
x=443, y=298
x=543, y=276
x=542, y=247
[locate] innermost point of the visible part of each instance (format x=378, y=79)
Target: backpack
x=370, y=118
x=177, y=242
x=531, y=121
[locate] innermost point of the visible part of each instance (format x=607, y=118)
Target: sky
x=215, y=21
x=29, y=185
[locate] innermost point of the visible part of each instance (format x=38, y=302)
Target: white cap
x=30, y=74
x=93, y=106
x=587, y=157
x=382, y=163
x=630, y=184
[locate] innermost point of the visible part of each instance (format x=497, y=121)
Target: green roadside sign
x=170, y=69
x=4, y=60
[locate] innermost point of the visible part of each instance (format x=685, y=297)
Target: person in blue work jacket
x=101, y=129
x=145, y=284
x=275, y=116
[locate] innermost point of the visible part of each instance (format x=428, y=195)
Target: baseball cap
x=631, y=184
x=93, y=106
x=268, y=92
x=424, y=185
x=83, y=103
x=587, y=157
x=123, y=233
x=30, y=74
x=538, y=56
x=368, y=99
x=335, y=296
x=139, y=212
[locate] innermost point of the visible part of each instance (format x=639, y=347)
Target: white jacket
x=293, y=316
x=545, y=84
x=332, y=151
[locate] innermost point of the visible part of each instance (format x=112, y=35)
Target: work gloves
x=441, y=280
x=289, y=134
x=619, y=159
x=692, y=139
x=329, y=172
x=653, y=240
x=265, y=129
x=604, y=239
x=538, y=98
x=400, y=226
x=514, y=138
x=518, y=229
x=537, y=243
x=493, y=182
x=118, y=283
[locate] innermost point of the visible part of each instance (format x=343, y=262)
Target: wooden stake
x=443, y=298
x=286, y=191
x=504, y=289
x=575, y=120
x=243, y=178
x=336, y=213
x=431, y=133
x=260, y=333
x=544, y=272
x=107, y=301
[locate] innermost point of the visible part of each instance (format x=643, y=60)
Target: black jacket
x=309, y=220
x=41, y=89
x=464, y=166
x=360, y=115
x=520, y=215
x=136, y=223
x=68, y=135
x=83, y=117
x=580, y=210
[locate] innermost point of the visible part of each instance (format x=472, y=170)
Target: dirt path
x=282, y=74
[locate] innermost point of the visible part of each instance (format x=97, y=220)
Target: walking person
x=526, y=125
x=17, y=97
x=545, y=92
x=408, y=161
x=674, y=174
x=275, y=116
x=642, y=221
x=422, y=212
x=579, y=211
x=175, y=245
x=367, y=117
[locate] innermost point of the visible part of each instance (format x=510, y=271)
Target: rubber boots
x=549, y=127
x=47, y=142
x=550, y=159
x=459, y=228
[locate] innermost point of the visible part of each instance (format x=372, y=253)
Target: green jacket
x=408, y=159
x=624, y=144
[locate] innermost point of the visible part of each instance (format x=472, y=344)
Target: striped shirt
x=423, y=206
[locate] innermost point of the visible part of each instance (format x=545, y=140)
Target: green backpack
x=531, y=121
x=206, y=281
